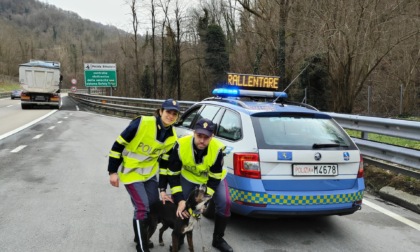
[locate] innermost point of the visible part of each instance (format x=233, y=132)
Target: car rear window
x=299, y=132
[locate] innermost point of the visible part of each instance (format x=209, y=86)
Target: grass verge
x=8, y=86
x=376, y=178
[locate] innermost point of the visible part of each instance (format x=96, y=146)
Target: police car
x=282, y=158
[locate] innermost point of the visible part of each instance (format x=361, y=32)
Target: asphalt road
x=55, y=196
x=13, y=117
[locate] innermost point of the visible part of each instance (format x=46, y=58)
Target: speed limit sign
x=73, y=81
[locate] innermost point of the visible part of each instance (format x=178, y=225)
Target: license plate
x=39, y=98
x=315, y=170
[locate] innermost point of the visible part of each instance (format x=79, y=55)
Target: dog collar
x=196, y=214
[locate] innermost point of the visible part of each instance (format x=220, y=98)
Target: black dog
x=166, y=214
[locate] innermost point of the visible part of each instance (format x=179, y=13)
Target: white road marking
x=52, y=127
x=26, y=125
x=392, y=215
x=38, y=136
x=17, y=149
x=65, y=117
x=9, y=106
x=59, y=121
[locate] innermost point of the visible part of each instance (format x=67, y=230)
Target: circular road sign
x=73, y=81
x=73, y=89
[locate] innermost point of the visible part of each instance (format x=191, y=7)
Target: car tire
x=210, y=210
x=25, y=106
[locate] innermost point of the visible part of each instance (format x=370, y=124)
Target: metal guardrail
x=385, y=126
x=384, y=155
x=122, y=106
x=96, y=91
x=390, y=127
x=5, y=94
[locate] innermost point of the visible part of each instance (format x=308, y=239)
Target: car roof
x=259, y=107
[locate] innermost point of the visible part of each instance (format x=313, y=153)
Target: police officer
x=135, y=158
x=198, y=159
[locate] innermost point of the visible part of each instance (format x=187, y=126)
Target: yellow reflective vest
x=199, y=173
x=141, y=155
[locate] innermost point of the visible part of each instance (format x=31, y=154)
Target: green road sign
x=100, y=75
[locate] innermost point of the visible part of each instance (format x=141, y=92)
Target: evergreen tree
x=146, y=82
x=315, y=79
x=217, y=58
x=170, y=61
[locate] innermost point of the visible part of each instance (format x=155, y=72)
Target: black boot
x=140, y=231
x=136, y=236
x=220, y=224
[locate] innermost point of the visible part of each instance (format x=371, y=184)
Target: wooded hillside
x=341, y=52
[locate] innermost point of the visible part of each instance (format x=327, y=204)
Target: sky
x=107, y=12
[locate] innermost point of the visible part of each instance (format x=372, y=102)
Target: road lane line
x=38, y=136
x=52, y=127
x=9, y=106
x=26, y=125
x=17, y=149
x=392, y=215
x=59, y=121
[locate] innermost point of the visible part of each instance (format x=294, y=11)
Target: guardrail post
x=365, y=135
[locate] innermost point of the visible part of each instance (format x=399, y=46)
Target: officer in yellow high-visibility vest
x=135, y=158
x=198, y=159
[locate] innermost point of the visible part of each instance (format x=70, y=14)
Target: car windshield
x=300, y=132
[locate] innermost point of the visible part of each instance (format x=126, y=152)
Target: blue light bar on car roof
x=229, y=92
x=226, y=92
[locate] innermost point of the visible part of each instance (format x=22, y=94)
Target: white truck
x=40, y=82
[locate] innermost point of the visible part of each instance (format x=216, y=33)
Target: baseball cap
x=204, y=126
x=170, y=104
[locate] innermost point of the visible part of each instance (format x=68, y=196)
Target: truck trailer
x=40, y=82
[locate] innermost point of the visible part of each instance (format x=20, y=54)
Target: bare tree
x=177, y=48
x=171, y=47
x=135, y=40
x=357, y=36
x=271, y=12
x=405, y=75
x=165, y=8
x=153, y=13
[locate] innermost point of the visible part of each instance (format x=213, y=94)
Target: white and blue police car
x=282, y=157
